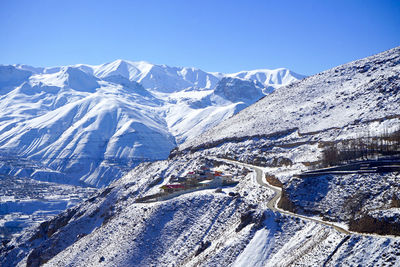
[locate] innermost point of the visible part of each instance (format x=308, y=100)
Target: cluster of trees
x=361, y=148
x=395, y=202
x=369, y=224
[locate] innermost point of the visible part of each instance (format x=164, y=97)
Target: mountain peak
x=78, y=80
x=268, y=77
x=128, y=69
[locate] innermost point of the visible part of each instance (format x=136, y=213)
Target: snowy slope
x=86, y=124
x=111, y=229
x=359, y=91
x=70, y=123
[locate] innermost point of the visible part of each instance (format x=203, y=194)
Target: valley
x=25, y=203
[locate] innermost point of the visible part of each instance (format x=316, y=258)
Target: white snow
x=90, y=124
x=233, y=226
x=355, y=92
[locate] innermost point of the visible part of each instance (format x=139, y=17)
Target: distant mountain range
x=86, y=124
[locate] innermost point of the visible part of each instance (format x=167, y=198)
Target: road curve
x=272, y=204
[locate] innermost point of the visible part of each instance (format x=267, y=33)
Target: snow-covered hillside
x=87, y=125
x=356, y=92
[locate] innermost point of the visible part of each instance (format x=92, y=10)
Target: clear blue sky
x=214, y=35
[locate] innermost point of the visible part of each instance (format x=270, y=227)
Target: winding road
x=272, y=204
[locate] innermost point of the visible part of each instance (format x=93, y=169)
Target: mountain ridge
x=104, y=119
x=309, y=102
x=138, y=70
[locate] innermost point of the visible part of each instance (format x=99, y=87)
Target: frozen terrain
x=234, y=226
x=357, y=92
x=87, y=125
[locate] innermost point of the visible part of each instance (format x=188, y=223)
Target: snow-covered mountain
x=356, y=92
x=269, y=78
x=236, y=225
x=86, y=124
